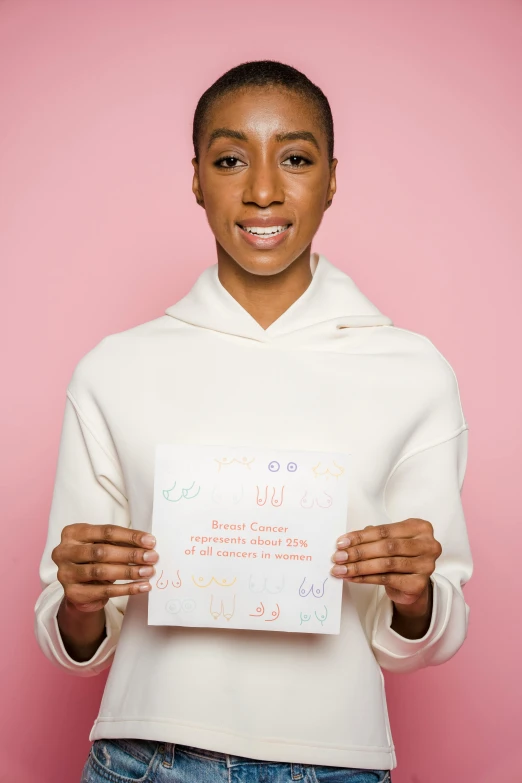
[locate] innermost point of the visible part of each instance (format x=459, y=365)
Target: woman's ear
x=196, y=188
x=332, y=185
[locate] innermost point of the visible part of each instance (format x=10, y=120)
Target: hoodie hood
x=331, y=298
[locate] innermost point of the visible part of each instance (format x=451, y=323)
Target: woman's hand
x=401, y=556
x=90, y=558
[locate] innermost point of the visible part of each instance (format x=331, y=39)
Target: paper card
x=245, y=538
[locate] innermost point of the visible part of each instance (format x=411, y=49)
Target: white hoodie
x=331, y=374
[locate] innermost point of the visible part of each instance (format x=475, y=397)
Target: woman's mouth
x=264, y=236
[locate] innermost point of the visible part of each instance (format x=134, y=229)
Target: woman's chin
x=265, y=268
x=263, y=263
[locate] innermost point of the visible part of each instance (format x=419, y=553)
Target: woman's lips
x=264, y=241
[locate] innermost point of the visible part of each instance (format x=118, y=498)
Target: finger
x=389, y=547
x=380, y=565
x=412, y=584
x=106, y=572
x=408, y=528
x=108, y=553
x=109, y=534
x=87, y=594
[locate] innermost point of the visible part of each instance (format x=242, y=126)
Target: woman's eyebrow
x=303, y=135
x=228, y=133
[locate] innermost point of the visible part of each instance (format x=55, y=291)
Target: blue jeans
x=147, y=761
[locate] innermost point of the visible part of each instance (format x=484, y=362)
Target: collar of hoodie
x=332, y=299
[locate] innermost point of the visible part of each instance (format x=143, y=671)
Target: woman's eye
x=230, y=162
x=297, y=162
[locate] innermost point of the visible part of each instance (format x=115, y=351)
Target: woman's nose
x=263, y=186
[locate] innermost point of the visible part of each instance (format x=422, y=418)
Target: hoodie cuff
x=50, y=639
x=392, y=648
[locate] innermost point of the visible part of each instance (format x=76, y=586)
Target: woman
x=273, y=346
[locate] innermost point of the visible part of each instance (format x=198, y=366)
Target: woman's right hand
x=90, y=558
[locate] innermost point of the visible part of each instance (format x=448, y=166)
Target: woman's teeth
x=267, y=231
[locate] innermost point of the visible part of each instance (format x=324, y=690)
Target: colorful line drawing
x=228, y=614
x=161, y=583
x=223, y=583
x=277, y=501
x=317, y=592
x=263, y=585
x=277, y=587
x=260, y=610
x=226, y=462
x=259, y=500
x=222, y=495
x=187, y=490
x=184, y=493
x=166, y=494
x=175, y=605
x=335, y=473
x=307, y=501
x=304, y=617
x=200, y=579
x=323, y=501
x=275, y=615
x=213, y=612
x=256, y=588
x=274, y=466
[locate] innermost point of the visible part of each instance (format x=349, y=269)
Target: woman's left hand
x=400, y=555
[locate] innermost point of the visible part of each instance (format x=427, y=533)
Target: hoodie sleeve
x=426, y=483
x=88, y=488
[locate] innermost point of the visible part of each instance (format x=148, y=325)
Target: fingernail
x=340, y=557
x=145, y=587
x=148, y=540
x=343, y=542
x=146, y=571
x=150, y=557
x=339, y=570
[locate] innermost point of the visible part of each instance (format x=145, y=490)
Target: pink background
x=99, y=231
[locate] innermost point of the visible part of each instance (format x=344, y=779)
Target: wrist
x=421, y=608
x=81, y=632
x=413, y=620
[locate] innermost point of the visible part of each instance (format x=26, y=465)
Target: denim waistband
x=214, y=755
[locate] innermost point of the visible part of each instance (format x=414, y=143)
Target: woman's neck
x=265, y=297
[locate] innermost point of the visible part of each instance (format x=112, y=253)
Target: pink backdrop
x=99, y=231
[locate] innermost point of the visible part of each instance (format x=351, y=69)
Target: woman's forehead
x=267, y=110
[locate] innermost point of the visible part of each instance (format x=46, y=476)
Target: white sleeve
x=88, y=488
x=427, y=484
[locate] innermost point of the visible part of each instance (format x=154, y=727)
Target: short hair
x=263, y=73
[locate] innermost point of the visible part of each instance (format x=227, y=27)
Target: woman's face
x=263, y=167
